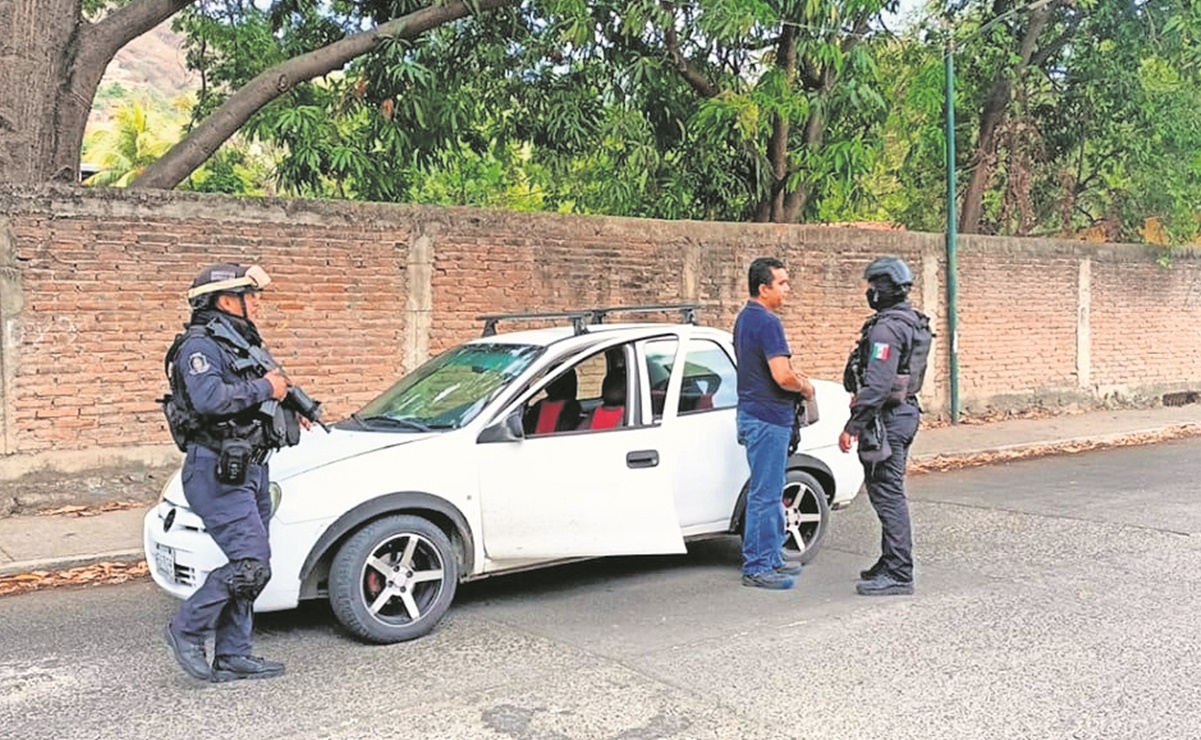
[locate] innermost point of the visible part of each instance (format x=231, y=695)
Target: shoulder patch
x=881, y=351
x=198, y=363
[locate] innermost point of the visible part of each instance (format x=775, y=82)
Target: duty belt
x=259, y=455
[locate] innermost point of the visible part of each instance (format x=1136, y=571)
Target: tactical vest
x=911, y=366
x=188, y=426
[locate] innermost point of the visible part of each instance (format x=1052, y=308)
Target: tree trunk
x=51, y=62
x=815, y=133
x=37, y=45
x=193, y=151
x=771, y=208
x=996, y=105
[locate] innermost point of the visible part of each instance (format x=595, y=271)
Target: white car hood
x=317, y=448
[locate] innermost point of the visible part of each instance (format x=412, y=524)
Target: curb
x=66, y=563
x=939, y=462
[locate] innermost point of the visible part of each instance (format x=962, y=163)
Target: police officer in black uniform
x=225, y=413
x=885, y=373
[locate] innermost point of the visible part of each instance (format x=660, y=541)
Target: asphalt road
x=1057, y=598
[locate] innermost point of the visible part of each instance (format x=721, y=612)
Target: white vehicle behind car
x=457, y=473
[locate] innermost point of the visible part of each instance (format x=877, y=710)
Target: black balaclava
x=207, y=311
x=883, y=293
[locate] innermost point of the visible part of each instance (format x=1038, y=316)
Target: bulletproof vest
x=182, y=420
x=187, y=425
x=911, y=366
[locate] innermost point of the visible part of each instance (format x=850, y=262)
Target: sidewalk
x=57, y=542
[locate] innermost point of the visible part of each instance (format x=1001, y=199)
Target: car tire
x=393, y=579
x=806, y=515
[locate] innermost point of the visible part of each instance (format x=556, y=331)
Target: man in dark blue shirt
x=767, y=386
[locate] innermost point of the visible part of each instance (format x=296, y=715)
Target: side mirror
x=508, y=429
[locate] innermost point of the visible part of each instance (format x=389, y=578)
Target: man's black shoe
x=884, y=585
x=789, y=569
x=234, y=667
x=876, y=569
x=188, y=653
x=769, y=580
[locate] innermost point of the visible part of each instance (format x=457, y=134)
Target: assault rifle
x=259, y=358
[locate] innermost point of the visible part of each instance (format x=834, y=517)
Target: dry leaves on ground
x=992, y=417
x=77, y=510
x=941, y=464
x=86, y=575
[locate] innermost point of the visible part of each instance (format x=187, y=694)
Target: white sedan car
x=513, y=451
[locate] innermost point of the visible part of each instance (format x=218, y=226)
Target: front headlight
x=277, y=494
x=162, y=495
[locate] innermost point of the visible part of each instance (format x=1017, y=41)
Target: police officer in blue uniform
x=885, y=372
x=223, y=412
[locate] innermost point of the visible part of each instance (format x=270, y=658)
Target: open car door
x=595, y=489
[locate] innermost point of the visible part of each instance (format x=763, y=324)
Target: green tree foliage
x=1071, y=115
x=138, y=136
x=720, y=109
x=144, y=127
x=1098, y=129
x=1127, y=134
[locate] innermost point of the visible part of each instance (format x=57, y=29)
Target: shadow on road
x=722, y=552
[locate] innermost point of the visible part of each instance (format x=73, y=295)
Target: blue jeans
x=763, y=531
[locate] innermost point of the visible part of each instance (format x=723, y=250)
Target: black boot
x=188, y=653
x=234, y=667
x=884, y=584
x=876, y=569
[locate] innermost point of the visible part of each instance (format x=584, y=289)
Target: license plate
x=164, y=560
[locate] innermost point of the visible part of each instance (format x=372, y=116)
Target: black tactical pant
x=886, y=491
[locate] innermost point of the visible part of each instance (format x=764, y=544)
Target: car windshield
x=449, y=390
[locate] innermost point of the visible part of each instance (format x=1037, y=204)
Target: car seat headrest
x=613, y=390
x=564, y=387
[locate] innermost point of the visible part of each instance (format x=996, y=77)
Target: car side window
x=588, y=396
x=710, y=380
x=660, y=357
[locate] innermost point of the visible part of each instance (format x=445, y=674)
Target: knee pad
x=248, y=578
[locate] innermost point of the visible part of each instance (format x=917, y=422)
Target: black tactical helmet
x=227, y=278
x=893, y=268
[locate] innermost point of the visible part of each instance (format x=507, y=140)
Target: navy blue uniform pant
x=886, y=491
x=236, y=518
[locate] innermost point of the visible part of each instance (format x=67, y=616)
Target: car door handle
x=642, y=459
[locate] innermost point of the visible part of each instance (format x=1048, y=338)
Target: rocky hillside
x=152, y=66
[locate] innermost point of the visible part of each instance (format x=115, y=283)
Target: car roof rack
x=583, y=317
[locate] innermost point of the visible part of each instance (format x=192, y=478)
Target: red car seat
x=611, y=413
x=559, y=411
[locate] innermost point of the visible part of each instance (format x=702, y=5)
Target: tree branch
x=996, y=106
x=1046, y=52
x=858, y=31
x=810, y=75
x=693, y=76
x=193, y=151
x=111, y=33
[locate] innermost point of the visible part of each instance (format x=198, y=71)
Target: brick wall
x=92, y=282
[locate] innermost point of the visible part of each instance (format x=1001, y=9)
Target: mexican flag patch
x=880, y=351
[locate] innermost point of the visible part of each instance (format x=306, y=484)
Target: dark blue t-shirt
x=758, y=337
